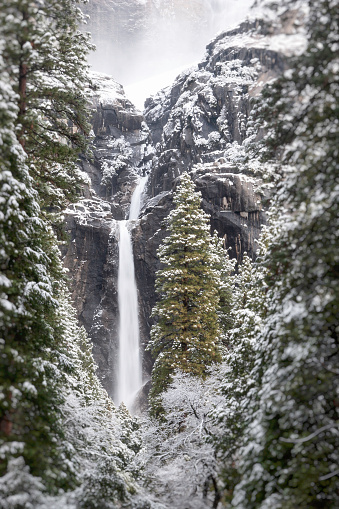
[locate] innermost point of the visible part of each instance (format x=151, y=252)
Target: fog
x=144, y=44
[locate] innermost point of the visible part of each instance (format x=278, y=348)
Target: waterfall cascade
x=136, y=202
x=130, y=366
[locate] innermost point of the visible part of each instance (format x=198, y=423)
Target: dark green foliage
x=45, y=56
x=247, y=312
x=103, y=488
x=42, y=63
x=29, y=332
x=31, y=343
x=187, y=332
x=59, y=430
x=224, y=268
x=293, y=434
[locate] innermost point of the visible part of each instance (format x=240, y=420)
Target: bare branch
x=309, y=437
x=328, y=476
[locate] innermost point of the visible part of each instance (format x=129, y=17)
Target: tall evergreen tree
x=42, y=63
x=224, y=267
x=45, y=56
x=58, y=427
x=290, y=458
x=30, y=419
x=248, y=290
x=187, y=332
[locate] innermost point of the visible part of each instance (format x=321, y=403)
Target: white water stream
x=136, y=203
x=130, y=366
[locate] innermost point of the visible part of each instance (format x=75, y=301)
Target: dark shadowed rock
x=91, y=258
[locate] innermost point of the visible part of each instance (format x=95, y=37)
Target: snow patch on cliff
x=106, y=89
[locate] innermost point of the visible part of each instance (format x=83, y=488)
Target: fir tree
x=248, y=304
x=224, y=267
x=37, y=171
x=58, y=427
x=290, y=457
x=187, y=332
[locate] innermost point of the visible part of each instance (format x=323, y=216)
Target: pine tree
x=30, y=418
x=38, y=171
x=187, y=332
x=248, y=307
x=290, y=456
x=58, y=427
x=45, y=56
x=224, y=267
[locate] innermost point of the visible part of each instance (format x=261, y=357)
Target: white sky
x=139, y=91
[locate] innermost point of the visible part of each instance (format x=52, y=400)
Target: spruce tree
x=290, y=457
x=30, y=419
x=248, y=304
x=58, y=427
x=224, y=267
x=187, y=332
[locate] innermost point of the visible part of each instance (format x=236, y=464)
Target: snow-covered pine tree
x=248, y=289
x=57, y=424
x=103, y=439
x=224, y=267
x=37, y=170
x=187, y=332
x=30, y=418
x=290, y=456
x=45, y=55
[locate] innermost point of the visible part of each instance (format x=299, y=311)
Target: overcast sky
x=144, y=44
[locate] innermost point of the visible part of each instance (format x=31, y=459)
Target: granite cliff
x=199, y=124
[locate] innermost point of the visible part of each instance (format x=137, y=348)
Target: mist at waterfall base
x=130, y=363
x=157, y=39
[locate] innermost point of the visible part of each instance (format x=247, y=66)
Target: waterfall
x=134, y=210
x=129, y=374
x=130, y=368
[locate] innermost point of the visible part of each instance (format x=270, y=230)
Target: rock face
x=122, y=146
x=92, y=260
x=200, y=124
x=122, y=150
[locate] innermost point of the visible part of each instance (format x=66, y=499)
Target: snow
x=107, y=90
x=88, y=210
x=179, y=464
x=287, y=44
x=4, y=281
